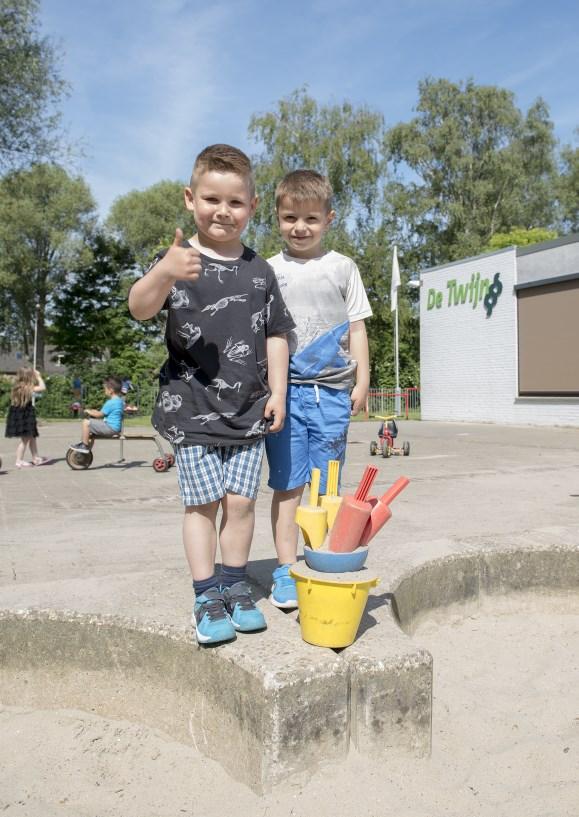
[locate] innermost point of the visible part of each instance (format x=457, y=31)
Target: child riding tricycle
x=107, y=423
x=387, y=433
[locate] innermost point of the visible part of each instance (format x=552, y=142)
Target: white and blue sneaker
x=284, y=593
x=210, y=618
x=244, y=615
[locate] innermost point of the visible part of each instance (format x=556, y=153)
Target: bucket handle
x=373, y=583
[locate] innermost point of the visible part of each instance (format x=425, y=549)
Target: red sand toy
x=387, y=433
x=353, y=515
x=381, y=512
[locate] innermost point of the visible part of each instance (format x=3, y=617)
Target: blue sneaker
x=245, y=616
x=210, y=618
x=284, y=593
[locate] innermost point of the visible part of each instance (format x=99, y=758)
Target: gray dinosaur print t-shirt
x=213, y=386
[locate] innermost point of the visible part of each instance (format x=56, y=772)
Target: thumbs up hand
x=182, y=263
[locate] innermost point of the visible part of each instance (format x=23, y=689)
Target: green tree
x=46, y=217
x=30, y=86
x=145, y=220
x=375, y=263
x=90, y=317
x=474, y=165
x=568, y=188
x=519, y=237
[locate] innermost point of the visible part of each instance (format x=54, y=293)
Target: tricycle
x=387, y=433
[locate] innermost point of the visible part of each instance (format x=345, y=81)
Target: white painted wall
x=468, y=361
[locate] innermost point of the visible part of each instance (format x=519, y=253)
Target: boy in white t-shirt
x=329, y=369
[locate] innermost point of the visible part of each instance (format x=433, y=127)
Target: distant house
x=13, y=360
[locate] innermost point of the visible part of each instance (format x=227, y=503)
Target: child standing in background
x=21, y=420
x=329, y=371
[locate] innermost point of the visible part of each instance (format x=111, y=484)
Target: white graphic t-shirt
x=324, y=295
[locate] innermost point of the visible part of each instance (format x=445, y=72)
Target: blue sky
x=155, y=81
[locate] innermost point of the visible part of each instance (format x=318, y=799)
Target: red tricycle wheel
x=373, y=448
x=170, y=459
x=160, y=464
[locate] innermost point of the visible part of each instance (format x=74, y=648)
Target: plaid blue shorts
x=207, y=472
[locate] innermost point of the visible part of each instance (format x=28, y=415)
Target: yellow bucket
x=331, y=604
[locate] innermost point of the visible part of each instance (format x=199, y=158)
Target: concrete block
x=265, y=706
x=390, y=683
x=390, y=690
x=438, y=583
x=511, y=570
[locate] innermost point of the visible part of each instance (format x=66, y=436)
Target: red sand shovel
x=352, y=516
x=381, y=513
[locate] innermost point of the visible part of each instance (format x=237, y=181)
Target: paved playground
x=469, y=483
x=107, y=541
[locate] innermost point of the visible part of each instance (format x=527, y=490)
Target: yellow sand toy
x=331, y=501
x=312, y=519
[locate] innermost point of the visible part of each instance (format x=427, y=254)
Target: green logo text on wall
x=476, y=291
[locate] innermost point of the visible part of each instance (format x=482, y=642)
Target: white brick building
x=504, y=357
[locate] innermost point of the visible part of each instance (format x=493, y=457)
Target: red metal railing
x=383, y=402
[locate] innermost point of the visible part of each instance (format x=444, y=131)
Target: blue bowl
x=326, y=561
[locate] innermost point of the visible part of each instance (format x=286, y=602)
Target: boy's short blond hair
x=304, y=185
x=223, y=159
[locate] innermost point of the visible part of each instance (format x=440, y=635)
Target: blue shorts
x=315, y=431
x=206, y=473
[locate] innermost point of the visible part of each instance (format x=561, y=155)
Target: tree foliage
x=478, y=165
x=568, y=188
x=145, y=220
x=90, y=318
x=46, y=217
x=30, y=87
x=519, y=237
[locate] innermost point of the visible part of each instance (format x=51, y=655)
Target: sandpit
x=505, y=739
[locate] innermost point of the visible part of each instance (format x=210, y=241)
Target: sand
x=505, y=740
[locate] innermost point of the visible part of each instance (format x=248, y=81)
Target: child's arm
x=359, y=351
x=148, y=295
x=94, y=413
x=40, y=384
x=277, y=369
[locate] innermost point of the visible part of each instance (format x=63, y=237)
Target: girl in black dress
x=21, y=420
